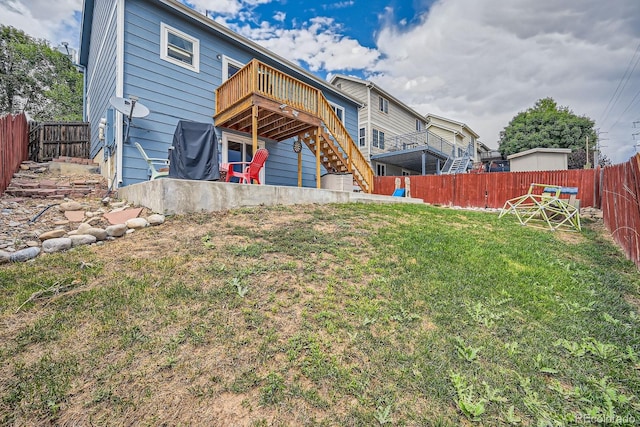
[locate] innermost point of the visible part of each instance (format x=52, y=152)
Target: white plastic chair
x=153, y=162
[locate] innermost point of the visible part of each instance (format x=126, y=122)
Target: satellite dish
x=129, y=107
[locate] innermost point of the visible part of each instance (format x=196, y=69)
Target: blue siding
x=350, y=114
x=282, y=166
x=173, y=93
x=101, y=68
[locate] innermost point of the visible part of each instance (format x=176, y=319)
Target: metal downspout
x=369, y=127
x=119, y=89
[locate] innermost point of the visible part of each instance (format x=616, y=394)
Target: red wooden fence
x=14, y=143
x=620, y=189
x=491, y=190
x=615, y=188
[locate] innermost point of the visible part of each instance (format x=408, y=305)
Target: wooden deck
x=267, y=103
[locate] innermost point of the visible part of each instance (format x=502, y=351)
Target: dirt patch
x=570, y=237
x=633, y=300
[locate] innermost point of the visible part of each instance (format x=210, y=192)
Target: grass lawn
x=341, y=315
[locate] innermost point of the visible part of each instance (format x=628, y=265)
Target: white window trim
x=381, y=167
x=362, y=137
x=164, y=31
x=385, y=105
x=338, y=107
x=224, y=155
x=376, y=141
x=225, y=66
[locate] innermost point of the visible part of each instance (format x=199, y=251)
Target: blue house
x=182, y=65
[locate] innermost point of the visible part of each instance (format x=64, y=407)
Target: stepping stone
x=122, y=217
x=74, y=216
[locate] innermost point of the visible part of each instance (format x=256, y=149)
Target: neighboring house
x=182, y=65
x=491, y=160
x=540, y=159
x=459, y=133
x=398, y=140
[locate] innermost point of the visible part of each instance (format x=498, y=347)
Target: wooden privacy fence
x=13, y=146
x=49, y=140
x=616, y=189
x=491, y=190
x=620, y=187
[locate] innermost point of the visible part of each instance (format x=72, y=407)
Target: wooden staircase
x=268, y=103
x=333, y=158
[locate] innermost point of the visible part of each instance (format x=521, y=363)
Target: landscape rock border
x=59, y=239
x=46, y=210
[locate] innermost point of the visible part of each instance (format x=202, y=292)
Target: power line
x=625, y=77
x=627, y=109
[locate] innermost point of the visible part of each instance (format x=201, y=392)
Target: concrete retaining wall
x=176, y=196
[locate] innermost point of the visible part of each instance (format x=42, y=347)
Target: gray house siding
x=354, y=89
x=174, y=93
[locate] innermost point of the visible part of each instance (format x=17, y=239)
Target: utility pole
x=587, y=165
x=596, y=153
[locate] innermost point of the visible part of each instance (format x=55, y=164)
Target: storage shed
x=540, y=159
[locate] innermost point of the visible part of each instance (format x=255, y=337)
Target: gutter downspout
x=369, y=128
x=83, y=70
x=119, y=88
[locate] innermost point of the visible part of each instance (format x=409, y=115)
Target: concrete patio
x=176, y=196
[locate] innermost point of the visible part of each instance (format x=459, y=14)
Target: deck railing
x=256, y=77
x=421, y=139
x=342, y=137
x=259, y=78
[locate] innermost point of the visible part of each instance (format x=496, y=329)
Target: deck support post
x=318, y=154
x=254, y=127
x=300, y=169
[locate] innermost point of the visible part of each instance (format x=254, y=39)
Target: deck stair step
x=332, y=157
x=457, y=165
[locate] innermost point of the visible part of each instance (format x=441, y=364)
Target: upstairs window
x=230, y=67
x=378, y=139
x=339, y=111
x=384, y=105
x=179, y=48
x=418, y=125
x=362, y=137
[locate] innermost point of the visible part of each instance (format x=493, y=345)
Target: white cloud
x=46, y=19
x=240, y=10
x=318, y=44
x=338, y=5
x=280, y=16
x=481, y=62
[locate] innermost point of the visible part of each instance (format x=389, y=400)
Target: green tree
x=546, y=125
x=36, y=79
x=577, y=159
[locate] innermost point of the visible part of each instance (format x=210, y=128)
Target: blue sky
x=475, y=61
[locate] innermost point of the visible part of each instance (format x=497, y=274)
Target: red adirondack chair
x=252, y=169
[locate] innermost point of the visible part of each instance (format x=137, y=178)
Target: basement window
x=179, y=48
